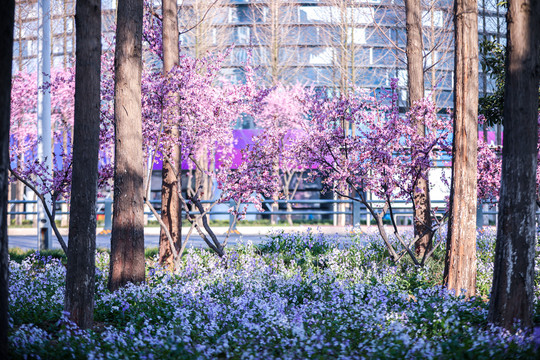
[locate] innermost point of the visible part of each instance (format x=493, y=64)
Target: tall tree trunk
x=127, y=238
x=460, y=261
x=7, y=16
x=415, y=72
x=81, y=263
x=171, y=210
x=513, y=277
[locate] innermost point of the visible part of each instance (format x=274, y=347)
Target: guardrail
x=354, y=210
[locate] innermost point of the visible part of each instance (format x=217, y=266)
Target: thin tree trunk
x=513, y=276
x=460, y=260
x=7, y=17
x=80, y=275
x=171, y=209
x=127, y=238
x=415, y=71
x=19, y=195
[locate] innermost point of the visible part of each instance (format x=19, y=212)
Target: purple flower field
x=299, y=296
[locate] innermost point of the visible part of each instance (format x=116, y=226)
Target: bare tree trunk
x=415, y=71
x=127, y=239
x=275, y=197
x=513, y=277
x=460, y=261
x=171, y=210
x=286, y=178
x=64, y=218
x=80, y=275
x=7, y=17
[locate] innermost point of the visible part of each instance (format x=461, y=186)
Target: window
x=311, y=14
x=30, y=65
x=361, y=15
x=15, y=48
x=57, y=46
x=240, y=56
x=403, y=77
x=438, y=18
x=32, y=11
x=239, y=14
x=69, y=45
x=242, y=35
x=321, y=56
x=430, y=58
x=69, y=25
x=28, y=48
x=58, y=61
x=356, y=36
x=108, y=4
x=57, y=26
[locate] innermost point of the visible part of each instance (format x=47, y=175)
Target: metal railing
x=353, y=210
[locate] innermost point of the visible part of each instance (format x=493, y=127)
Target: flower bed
x=300, y=296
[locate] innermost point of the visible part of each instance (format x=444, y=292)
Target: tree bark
x=7, y=17
x=415, y=72
x=127, y=238
x=171, y=209
x=80, y=276
x=460, y=260
x=513, y=276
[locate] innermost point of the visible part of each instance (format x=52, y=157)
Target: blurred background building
x=335, y=44
x=330, y=43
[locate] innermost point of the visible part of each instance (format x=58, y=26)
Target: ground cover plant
x=296, y=296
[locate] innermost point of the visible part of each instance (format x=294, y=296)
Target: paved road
x=27, y=238
x=104, y=241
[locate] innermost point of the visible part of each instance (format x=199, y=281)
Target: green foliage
x=492, y=61
x=492, y=55
x=18, y=254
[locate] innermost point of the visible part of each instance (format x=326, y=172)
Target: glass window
x=58, y=46
x=58, y=61
x=15, y=48
x=308, y=35
x=58, y=26
x=490, y=5
x=233, y=15
x=356, y=36
x=243, y=35
x=321, y=56
x=383, y=57
x=311, y=14
x=69, y=25
x=30, y=65
x=32, y=10
x=362, y=15
x=438, y=18
x=70, y=7
x=29, y=29
x=107, y=4
x=240, y=56
x=403, y=77
x=69, y=45
x=239, y=14
x=29, y=48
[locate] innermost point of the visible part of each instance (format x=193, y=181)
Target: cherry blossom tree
x=278, y=113
x=386, y=155
x=25, y=166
